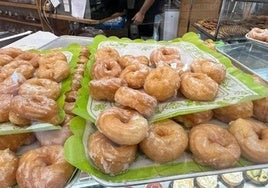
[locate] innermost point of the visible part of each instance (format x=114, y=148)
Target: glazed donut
x=53, y=56
x=198, y=86
x=5, y=100
x=106, y=53
x=5, y=59
x=213, y=146
x=258, y=34
x=31, y=57
x=260, y=109
x=57, y=70
x=194, y=119
x=105, y=68
x=71, y=96
x=36, y=108
x=20, y=66
x=164, y=54
x=127, y=60
x=11, y=51
x=8, y=166
x=40, y=86
x=252, y=136
x=17, y=119
x=44, y=166
x=12, y=84
x=55, y=137
x=162, y=83
x=76, y=82
x=68, y=107
x=135, y=99
x=122, y=126
x=105, y=88
x=14, y=141
x=135, y=75
x=165, y=142
x=233, y=112
x=214, y=70
x=108, y=157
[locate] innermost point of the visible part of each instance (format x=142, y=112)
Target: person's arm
x=139, y=16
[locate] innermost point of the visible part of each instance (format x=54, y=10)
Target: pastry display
x=252, y=139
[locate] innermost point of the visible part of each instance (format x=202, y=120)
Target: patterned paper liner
x=144, y=170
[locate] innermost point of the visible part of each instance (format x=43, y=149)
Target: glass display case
x=235, y=19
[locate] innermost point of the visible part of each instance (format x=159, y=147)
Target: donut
x=5, y=100
x=5, y=59
x=198, y=86
x=12, y=83
x=108, y=157
x=164, y=54
x=20, y=66
x=56, y=70
x=55, y=137
x=260, y=109
x=162, y=83
x=71, y=96
x=31, y=57
x=14, y=141
x=44, y=166
x=252, y=136
x=36, y=108
x=17, y=119
x=76, y=82
x=135, y=75
x=213, y=146
x=106, y=53
x=214, y=70
x=11, y=51
x=8, y=166
x=53, y=56
x=234, y=111
x=194, y=119
x=135, y=99
x=105, y=88
x=40, y=86
x=122, y=126
x=68, y=107
x=165, y=142
x=127, y=60
x=258, y=34
x=105, y=68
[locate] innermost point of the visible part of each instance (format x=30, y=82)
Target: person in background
x=141, y=16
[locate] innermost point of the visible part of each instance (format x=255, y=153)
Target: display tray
x=258, y=42
x=249, y=56
x=144, y=170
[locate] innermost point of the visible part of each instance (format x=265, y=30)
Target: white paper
x=78, y=8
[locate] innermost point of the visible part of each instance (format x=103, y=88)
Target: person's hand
x=138, y=18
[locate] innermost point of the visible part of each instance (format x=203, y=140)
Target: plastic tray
x=258, y=42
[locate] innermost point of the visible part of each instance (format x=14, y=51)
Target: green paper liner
x=72, y=54
x=141, y=171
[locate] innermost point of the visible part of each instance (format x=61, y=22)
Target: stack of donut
x=136, y=84
x=30, y=84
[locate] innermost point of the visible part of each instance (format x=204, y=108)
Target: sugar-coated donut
x=44, y=166
x=252, y=136
x=105, y=68
x=127, y=60
x=35, y=108
x=11, y=51
x=20, y=66
x=14, y=141
x=234, y=111
x=214, y=70
x=162, y=83
x=213, y=146
x=108, y=157
x=40, y=86
x=198, y=86
x=12, y=83
x=106, y=53
x=135, y=75
x=260, y=109
x=135, y=99
x=164, y=54
x=105, y=88
x=5, y=100
x=194, y=119
x=165, y=142
x=122, y=126
x=8, y=167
